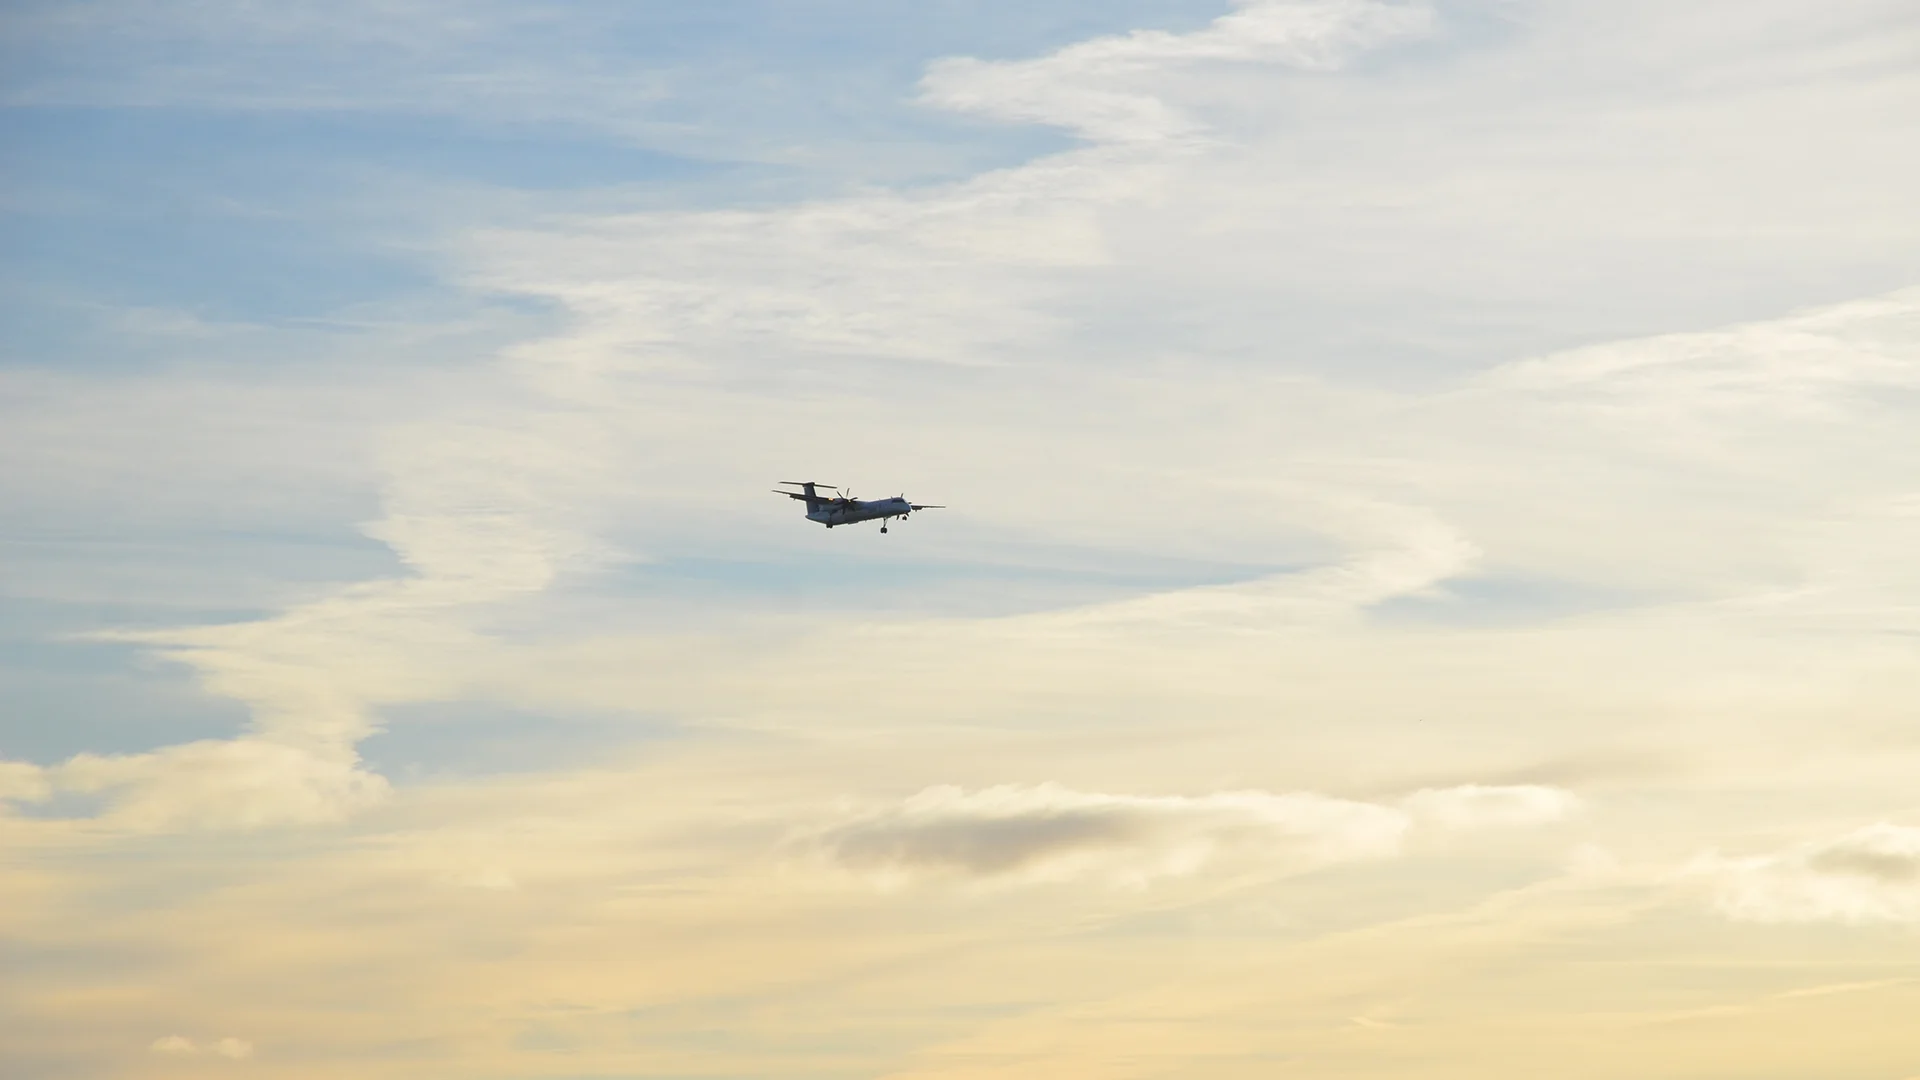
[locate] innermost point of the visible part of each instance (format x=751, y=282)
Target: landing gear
x=883, y=528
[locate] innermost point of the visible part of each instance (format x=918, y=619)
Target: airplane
x=831, y=510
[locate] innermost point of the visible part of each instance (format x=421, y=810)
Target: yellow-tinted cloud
x=1869, y=875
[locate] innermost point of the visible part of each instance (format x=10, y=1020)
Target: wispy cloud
x=1869, y=875
x=1377, y=354
x=239, y=783
x=1103, y=89
x=1049, y=832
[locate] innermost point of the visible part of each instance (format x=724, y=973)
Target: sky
x=1425, y=588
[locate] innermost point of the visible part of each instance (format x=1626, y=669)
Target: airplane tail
x=807, y=492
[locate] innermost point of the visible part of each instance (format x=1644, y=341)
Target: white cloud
x=1103, y=88
x=173, y=1044
x=1049, y=832
x=480, y=515
x=1869, y=875
x=233, y=1048
x=1394, y=551
x=238, y=783
x=1478, y=805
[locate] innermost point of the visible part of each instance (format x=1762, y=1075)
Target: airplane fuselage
x=833, y=512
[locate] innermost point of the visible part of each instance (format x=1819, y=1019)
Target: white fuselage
x=833, y=512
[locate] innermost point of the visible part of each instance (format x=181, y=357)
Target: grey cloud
x=988, y=845
x=1050, y=832
x=1857, y=859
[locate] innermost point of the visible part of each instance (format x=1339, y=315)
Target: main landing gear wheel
x=883, y=528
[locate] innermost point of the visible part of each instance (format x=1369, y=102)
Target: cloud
x=237, y=783
x=711, y=343
x=24, y=781
x=1869, y=875
x=1476, y=806
x=1396, y=551
x=1762, y=368
x=1049, y=832
x=1104, y=89
x=480, y=513
x=180, y=1045
x=1129, y=355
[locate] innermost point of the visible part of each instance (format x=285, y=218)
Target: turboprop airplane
x=831, y=510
